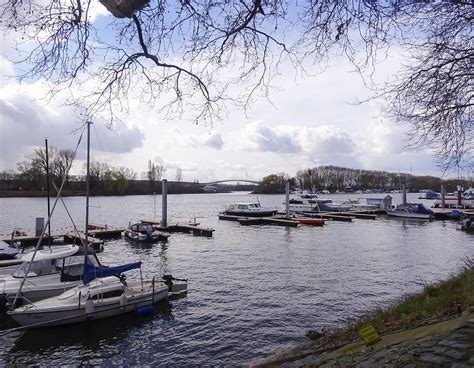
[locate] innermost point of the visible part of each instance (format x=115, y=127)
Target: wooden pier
x=105, y=232
x=334, y=216
x=278, y=221
x=80, y=238
x=191, y=228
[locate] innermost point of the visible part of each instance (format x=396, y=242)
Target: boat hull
x=251, y=213
x=309, y=221
x=37, y=318
x=409, y=215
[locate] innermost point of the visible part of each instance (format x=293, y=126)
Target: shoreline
x=442, y=310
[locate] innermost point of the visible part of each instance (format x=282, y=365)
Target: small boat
x=429, y=194
x=249, y=210
x=411, y=210
x=310, y=221
x=99, y=298
x=6, y=251
x=452, y=201
x=143, y=232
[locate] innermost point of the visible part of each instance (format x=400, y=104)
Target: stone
x=454, y=344
x=433, y=359
x=314, y=335
x=454, y=354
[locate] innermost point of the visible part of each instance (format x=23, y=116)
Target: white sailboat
x=101, y=298
x=102, y=295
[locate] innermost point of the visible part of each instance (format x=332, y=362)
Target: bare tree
x=200, y=55
x=179, y=174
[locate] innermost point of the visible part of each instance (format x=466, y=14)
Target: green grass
x=436, y=302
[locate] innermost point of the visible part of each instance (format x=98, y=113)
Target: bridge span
x=232, y=180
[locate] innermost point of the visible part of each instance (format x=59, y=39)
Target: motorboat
x=144, y=232
x=429, y=194
x=98, y=298
x=6, y=251
x=51, y=272
x=411, y=210
x=249, y=210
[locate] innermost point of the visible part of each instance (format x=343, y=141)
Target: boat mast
x=47, y=190
x=87, y=183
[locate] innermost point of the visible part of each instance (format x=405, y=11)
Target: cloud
x=261, y=137
x=212, y=140
x=26, y=120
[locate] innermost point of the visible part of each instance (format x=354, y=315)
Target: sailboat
x=104, y=293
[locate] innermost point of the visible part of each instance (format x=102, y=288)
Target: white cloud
x=211, y=140
x=261, y=137
x=26, y=120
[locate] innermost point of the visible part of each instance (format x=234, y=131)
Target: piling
x=39, y=226
x=164, y=204
x=443, y=197
x=404, y=188
x=287, y=201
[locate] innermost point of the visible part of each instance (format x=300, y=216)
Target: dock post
x=460, y=189
x=404, y=188
x=39, y=226
x=164, y=205
x=443, y=198
x=287, y=200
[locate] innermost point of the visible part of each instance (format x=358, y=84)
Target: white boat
x=411, y=210
x=7, y=252
x=100, y=298
x=52, y=272
x=452, y=201
x=249, y=210
x=142, y=232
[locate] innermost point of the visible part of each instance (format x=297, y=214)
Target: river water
x=252, y=290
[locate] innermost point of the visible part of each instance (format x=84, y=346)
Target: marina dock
x=276, y=220
x=191, y=228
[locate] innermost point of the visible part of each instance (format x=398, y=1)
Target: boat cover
x=91, y=272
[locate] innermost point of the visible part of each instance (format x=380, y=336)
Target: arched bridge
x=232, y=180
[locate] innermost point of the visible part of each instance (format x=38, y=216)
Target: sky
x=306, y=122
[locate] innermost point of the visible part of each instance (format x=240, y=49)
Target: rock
x=314, y=335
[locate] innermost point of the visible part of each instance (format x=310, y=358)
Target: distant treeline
x=29, y=180
x=334, y=178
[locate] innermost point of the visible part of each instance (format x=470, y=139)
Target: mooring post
x=443, y=198
x=164, y=205
x=287, y=201
x=404, y=188
x=460, y=189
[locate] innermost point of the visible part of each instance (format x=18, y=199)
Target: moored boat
x=144, y=232
x=101, y=298
x=7, y=252
x=411, y=210
x=52, y=272
x=310, y=221
x=249, y=210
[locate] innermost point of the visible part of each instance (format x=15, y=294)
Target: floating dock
x=191, y=228
x=278, y=221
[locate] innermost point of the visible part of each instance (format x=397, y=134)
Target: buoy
x=142, y=311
